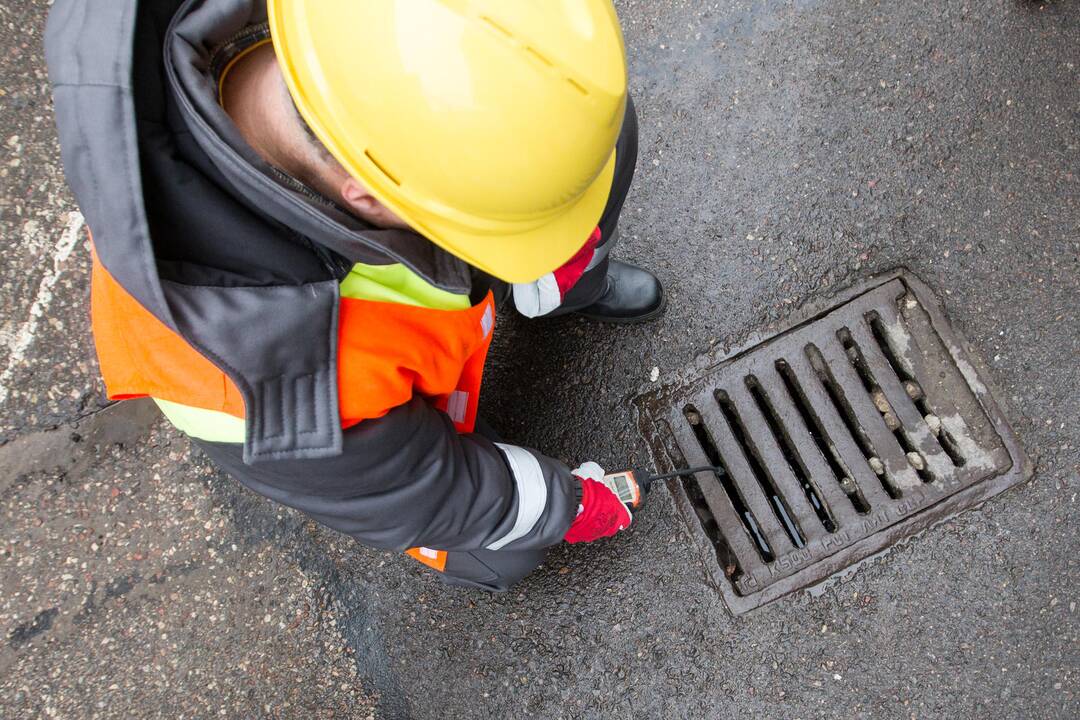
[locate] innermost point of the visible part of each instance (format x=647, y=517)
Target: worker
x=303, y=216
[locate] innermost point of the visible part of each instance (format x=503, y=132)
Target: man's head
x=311, y=163
x=256, y=97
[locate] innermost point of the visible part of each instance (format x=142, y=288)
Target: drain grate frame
x=862, y=422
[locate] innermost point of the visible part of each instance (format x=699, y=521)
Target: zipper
x=236, y=43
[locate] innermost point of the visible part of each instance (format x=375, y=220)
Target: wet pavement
x=788, y=150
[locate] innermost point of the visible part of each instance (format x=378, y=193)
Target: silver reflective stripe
x=531, y=492
x=539, y=297
x=603, y=251
x=457, y=406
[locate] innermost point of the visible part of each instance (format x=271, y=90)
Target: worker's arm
x=409, y=479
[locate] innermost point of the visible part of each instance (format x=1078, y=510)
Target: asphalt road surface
x=788, y=150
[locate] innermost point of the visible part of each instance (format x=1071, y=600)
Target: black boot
x=633, y=295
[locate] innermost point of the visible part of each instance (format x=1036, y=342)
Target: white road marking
x=25, y=335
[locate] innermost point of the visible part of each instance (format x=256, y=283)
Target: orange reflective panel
x=141, y=356
x=387, y=353
x=434, y=559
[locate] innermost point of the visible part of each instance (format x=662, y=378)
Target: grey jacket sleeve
x=409, y=479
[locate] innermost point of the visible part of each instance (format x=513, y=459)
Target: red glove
x=601, y=512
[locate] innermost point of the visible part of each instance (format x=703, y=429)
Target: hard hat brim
x=522, y=257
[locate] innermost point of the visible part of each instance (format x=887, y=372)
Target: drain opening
x=847, y=415
x=915, y=391
x=708, y=446
x=892, y=421
x=764, y=479
x=725, y=557
x=816, y=428
x=787, y=447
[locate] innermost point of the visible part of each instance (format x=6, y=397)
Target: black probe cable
x=714, y=469
x=687, y=471
x=680, y=473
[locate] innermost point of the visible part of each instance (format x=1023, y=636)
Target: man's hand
x=601, y=513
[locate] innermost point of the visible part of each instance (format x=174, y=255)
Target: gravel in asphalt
x=127, y=593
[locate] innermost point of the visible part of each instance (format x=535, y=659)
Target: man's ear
x=363, y=204
x=357, y=197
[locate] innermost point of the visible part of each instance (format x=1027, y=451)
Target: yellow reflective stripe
x=203, y=424
x=398, y=284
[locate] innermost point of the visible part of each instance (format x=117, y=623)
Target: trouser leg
x=491, y=570
x=593, y=283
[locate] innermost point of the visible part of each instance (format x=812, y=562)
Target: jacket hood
x=197, y=29
x=192, y=223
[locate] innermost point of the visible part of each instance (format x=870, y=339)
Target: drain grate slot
x=890, y=415
x=854, y=413
x=787, y=447
x=915, y=392
x=832, y=440
x=725, y=556
x=820, y=437
x=765, y=481
x=742, y=477
x=738, y=505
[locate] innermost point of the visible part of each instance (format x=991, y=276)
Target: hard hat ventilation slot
x=578, y=86
x=499, y=28
x=542, y=58
x=382, y=168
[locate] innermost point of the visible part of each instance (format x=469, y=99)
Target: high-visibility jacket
x=328, y=365
x=387, y=352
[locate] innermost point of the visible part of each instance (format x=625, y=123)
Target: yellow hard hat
x=488, y=125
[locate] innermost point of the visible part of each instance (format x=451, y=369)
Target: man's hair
x=313, y=139
x=307, y=169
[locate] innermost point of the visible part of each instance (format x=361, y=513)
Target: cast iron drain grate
x=834, y=439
